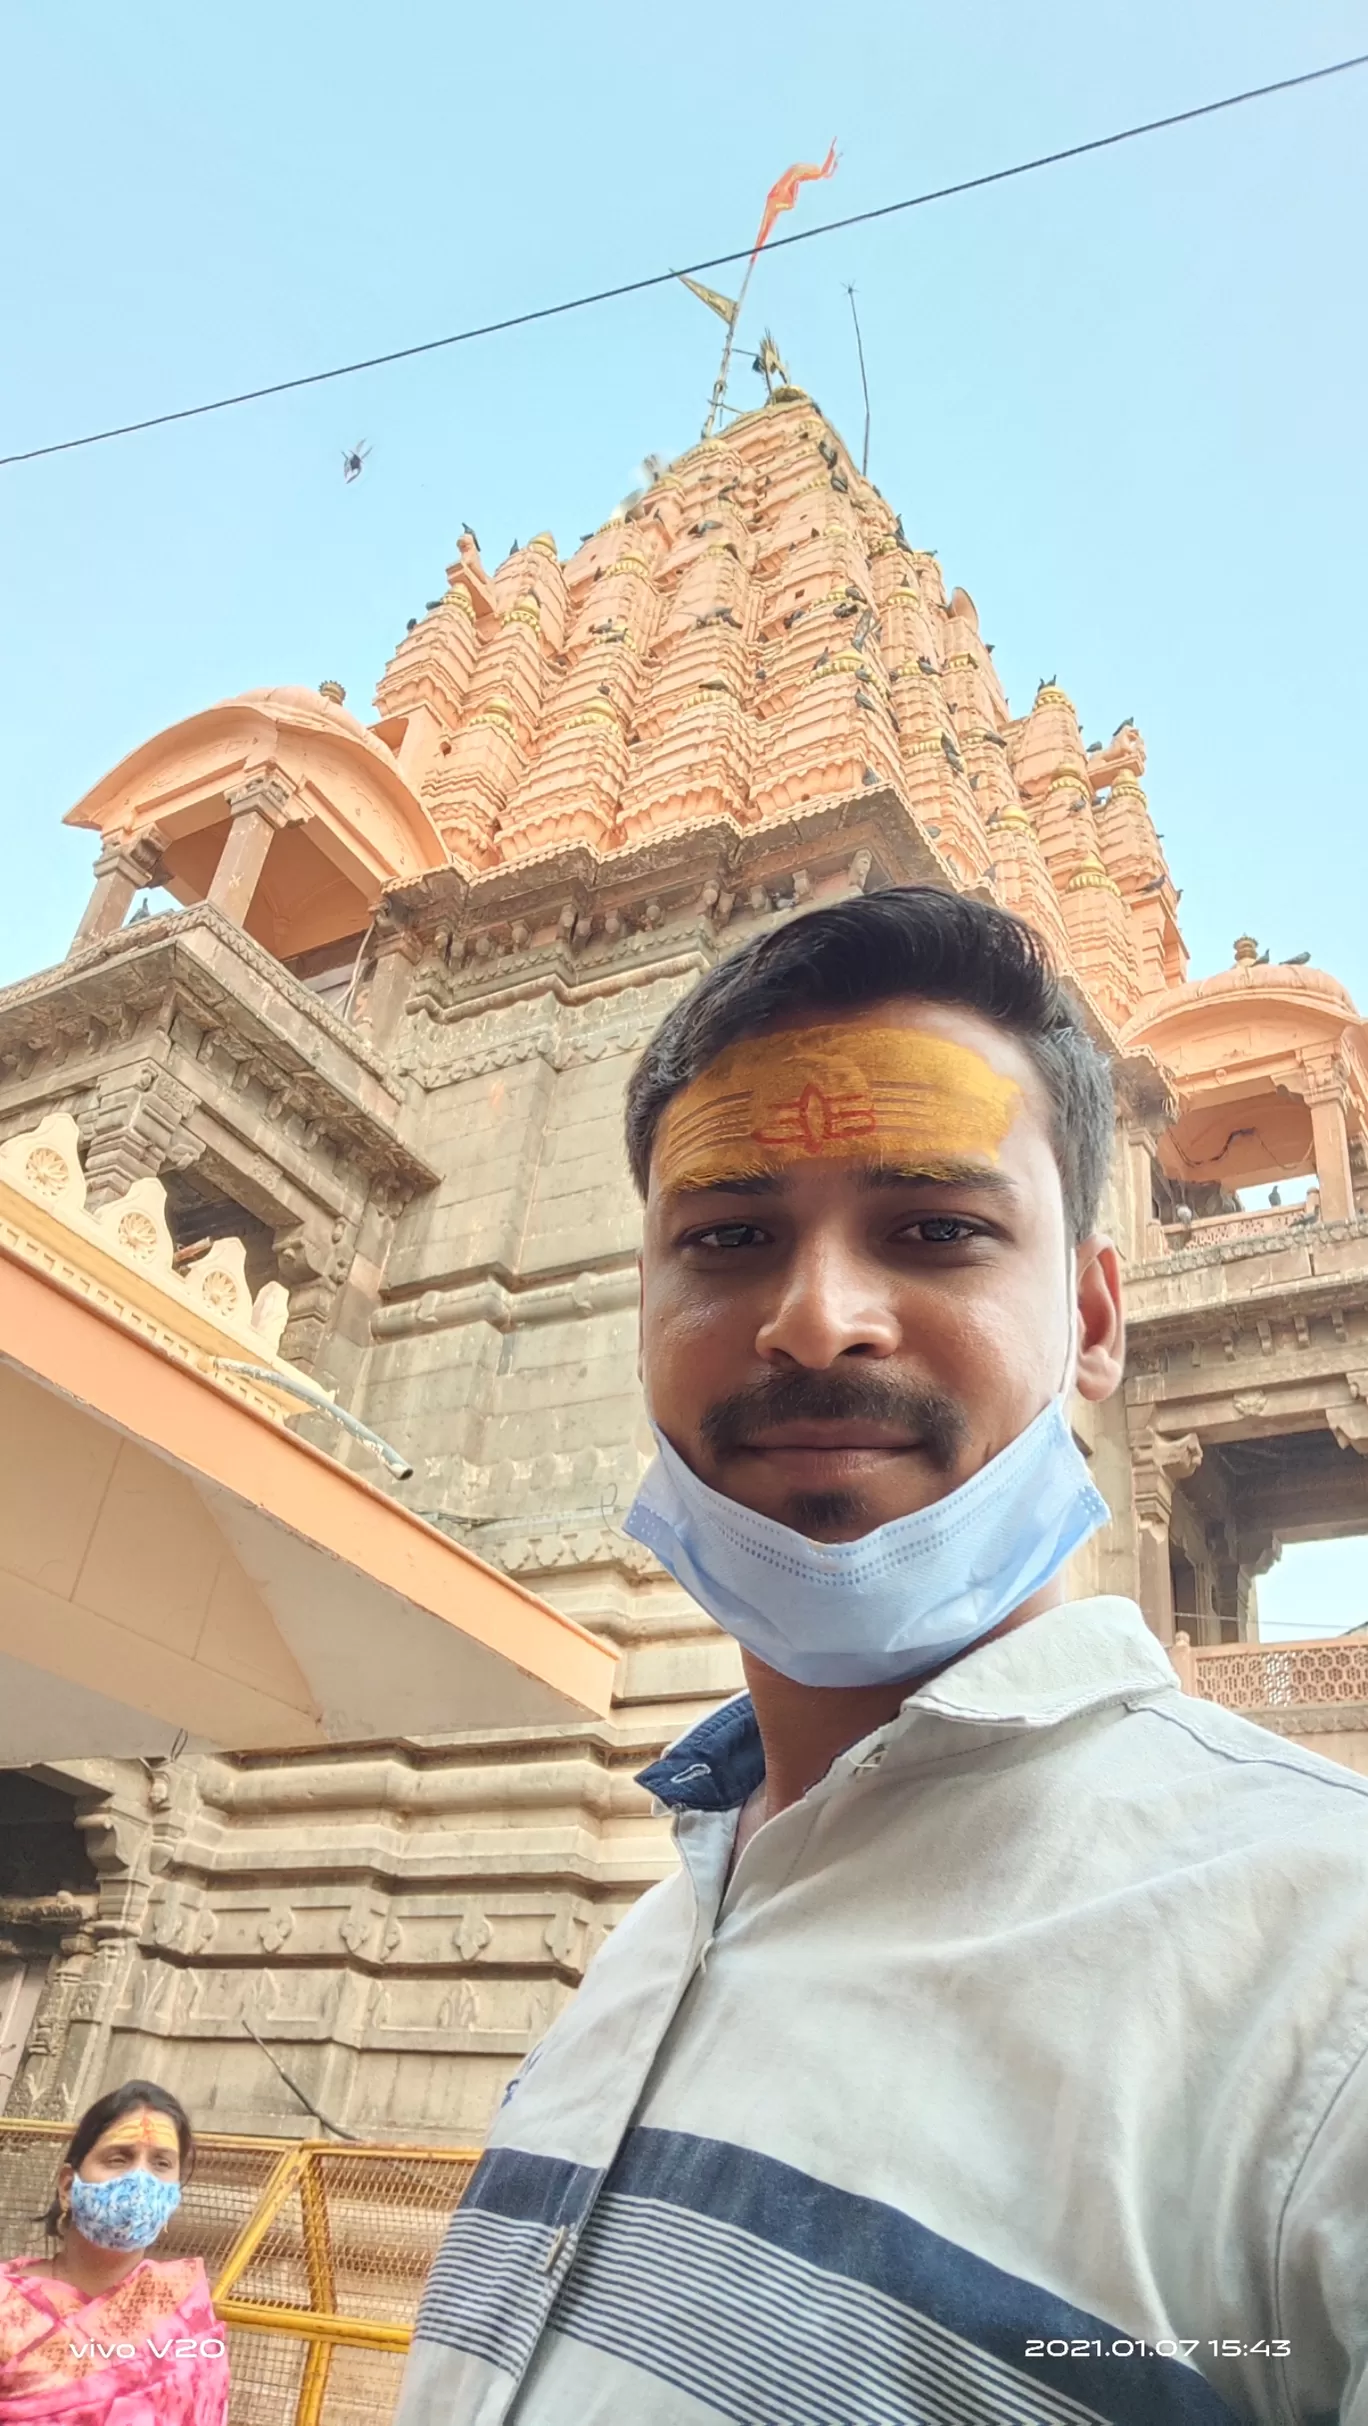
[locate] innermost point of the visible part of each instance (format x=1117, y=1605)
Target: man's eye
x=727, y=1234
x=942, y=1230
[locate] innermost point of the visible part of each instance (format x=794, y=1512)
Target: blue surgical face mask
x=127, y=2213
x=904, y=1599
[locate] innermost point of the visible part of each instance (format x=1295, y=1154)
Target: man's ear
x=1101, y=1321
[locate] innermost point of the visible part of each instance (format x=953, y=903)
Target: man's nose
x=829, y=1302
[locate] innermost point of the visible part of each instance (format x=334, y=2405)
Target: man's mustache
x=937, y=1424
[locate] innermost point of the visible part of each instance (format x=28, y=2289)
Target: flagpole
x=719, y=394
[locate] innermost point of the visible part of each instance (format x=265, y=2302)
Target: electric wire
x=640, y=286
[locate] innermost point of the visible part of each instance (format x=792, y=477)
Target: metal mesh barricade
x=317, y=2251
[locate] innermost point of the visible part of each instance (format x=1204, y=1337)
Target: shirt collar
x=1087, y=1656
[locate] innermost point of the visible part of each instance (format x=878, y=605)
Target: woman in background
x=102, y=2333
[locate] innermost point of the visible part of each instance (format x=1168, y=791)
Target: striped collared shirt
x=1018, y=2073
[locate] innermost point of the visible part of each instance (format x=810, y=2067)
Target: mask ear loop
x=1066, y=1386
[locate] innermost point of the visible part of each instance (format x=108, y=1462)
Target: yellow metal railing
x=317, y=2251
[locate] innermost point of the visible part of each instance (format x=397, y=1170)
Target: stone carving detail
x=138, y=1232
x=172, y=1917
x=48, y=1172
x=276, y=1929
x=471, y=1934
x=561, y=1935
x=1160, y=1461
x=44, y=1164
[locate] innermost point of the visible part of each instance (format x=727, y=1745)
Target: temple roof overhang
x=175, y=1562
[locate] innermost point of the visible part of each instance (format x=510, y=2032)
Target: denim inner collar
x=716, y=1767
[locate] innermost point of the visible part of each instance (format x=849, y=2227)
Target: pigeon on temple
x=1296, y=960
x=1275, y=1196
x=468, y=533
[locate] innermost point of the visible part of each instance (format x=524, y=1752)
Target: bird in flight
x=353, y=457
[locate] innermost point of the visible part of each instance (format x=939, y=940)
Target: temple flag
x=784, y=193
x=721, y=304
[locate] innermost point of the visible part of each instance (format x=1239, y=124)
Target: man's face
x=836, y=1342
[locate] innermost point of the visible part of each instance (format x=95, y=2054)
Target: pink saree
x=150, y=2353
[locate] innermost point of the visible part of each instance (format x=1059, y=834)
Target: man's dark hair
x=111, y=2108
x=911, y=939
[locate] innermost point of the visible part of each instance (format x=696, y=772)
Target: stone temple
x=383, y=1042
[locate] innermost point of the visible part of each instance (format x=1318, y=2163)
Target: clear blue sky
x=1123, y=399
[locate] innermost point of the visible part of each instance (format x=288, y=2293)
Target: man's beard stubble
x=936, y=1423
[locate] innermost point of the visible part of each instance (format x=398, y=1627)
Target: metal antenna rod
x=864, y=381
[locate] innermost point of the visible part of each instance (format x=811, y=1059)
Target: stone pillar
x=397, y=954
x=1145, y=1105
x=259, y=809
x=121, y=870
x=1145, y=1238
x=1160, y=1460
x=1330, y=1144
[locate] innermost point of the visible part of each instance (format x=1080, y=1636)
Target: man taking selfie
x=999, y=2049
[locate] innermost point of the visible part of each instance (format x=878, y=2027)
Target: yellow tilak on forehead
x=891, y=1096
x=142, y=2127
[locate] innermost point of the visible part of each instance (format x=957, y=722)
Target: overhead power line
x=640, y=286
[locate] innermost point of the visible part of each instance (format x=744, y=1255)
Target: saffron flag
x=784, y=193
x=721, y=304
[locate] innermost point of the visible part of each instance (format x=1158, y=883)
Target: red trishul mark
x=814, y=1120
